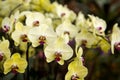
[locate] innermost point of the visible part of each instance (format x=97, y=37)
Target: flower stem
x=27, y=58
x=14, y=9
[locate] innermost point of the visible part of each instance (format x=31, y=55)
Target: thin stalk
x=15, y=9
x=27, y=58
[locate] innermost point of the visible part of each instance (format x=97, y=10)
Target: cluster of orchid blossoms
x=54, y=28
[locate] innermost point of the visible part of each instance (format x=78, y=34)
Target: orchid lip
x=100, y=28
x=58, y=56
x=14, y=67
x=84, y=42
x=42, y=40
x=63, y=14
x=36, y=23
x=66, y=32
x=24, y=38
x=1, y=57
x=117, y=46
x=74, y=77
x=6, y=28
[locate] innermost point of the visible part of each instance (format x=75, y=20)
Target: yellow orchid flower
x=98, y=24
x=4, y=50
x=76, y=71
x=34, y=19
x=20, y=33
x=43, y=34
x=115, y=39
x=58, y=51
x=9, y=22
x=87, y=39
x=15, y=64
x=67, y=28
x=7, y=25
x=63, y=12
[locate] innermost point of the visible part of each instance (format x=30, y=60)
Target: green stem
x=14, y=9
x=27, y=58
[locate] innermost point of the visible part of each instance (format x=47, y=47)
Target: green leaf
x=9, y=76
x=20, y=77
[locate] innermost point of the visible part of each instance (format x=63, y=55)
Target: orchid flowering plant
x=36, y=29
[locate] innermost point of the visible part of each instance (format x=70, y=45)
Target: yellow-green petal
x=15, y=56
x=7, y=65
x=21, y=64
